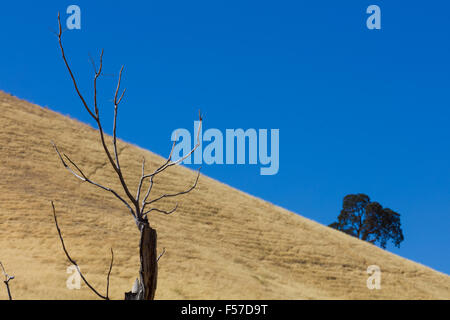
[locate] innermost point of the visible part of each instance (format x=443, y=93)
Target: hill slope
x=221, y=243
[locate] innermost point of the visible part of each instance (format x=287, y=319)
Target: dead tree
x=6, y=281
x=139, y=205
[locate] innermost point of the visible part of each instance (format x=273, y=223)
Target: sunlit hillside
x=220, y=244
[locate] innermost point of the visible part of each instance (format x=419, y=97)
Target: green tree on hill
x=369, y=221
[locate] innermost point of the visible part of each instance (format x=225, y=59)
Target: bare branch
x=150, y=186
x=109, y=272
x=169, y=159
x=75, y=263
x=84, y=178
x=93, y=63
x=161, y=211
x=163, y=167
x=169, y=195
x=6, y=281
x=66, y=166
x=96, y=116
x=141, y=181
x=162, y=253
x=60, y=32
x=116, y=106
x=97, y=74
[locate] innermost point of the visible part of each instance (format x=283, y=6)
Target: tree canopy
x=369, y=221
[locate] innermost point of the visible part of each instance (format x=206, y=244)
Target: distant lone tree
x=369, y=221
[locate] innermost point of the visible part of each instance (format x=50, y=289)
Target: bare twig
x=116, y=106
x=97, y=74
x=92, y=62
x=169, y=161
x=162, y=253
x=6, y=281
x=138, y=194
x=150, y=186
x=76, y=265
x=170, y=195
x=161, y=211
x=163, y=167
x=60, y=32
x=109, y=272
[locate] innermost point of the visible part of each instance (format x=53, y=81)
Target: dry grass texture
x=221, y=243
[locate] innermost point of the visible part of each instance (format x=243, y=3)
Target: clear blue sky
x=358, y=110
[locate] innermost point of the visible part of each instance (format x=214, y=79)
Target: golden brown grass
x=221, y=243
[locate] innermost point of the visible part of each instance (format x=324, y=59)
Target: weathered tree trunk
x=145, y=288
x=149, y=265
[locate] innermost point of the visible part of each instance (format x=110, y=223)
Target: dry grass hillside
x=221, y=243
